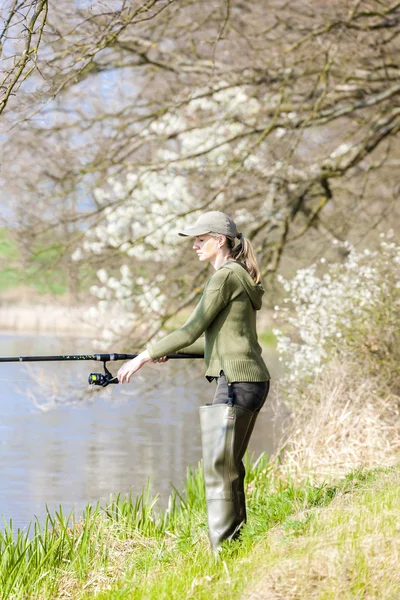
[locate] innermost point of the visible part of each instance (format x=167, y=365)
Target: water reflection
x=94, y=443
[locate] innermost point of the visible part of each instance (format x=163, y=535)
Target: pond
x=63, y=443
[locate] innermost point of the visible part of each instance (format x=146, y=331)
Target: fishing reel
x=102, y=379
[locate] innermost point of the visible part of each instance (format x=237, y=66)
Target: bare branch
x=25, y=65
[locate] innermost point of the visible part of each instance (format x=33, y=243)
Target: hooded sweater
x=226, y=315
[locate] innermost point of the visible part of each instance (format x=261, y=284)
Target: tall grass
x=129, y=538
x=346, y=420
x=46, y=556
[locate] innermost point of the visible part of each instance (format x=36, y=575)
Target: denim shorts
x=250, y=395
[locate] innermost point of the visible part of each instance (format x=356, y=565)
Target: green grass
x=53, y=282
x=348, y=550
x=130, y=549
x=8, y=247
x=38, y=274
x=9, y=278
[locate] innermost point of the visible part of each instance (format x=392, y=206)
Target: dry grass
x=351, y=550
x=119, y=555
x=342, y=423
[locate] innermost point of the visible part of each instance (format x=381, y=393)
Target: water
x=62, y=442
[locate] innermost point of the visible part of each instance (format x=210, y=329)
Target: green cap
x=212, y=222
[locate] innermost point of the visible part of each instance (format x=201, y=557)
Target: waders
x=225, y=432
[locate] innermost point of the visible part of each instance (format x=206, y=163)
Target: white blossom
x=340, y=150
x=328, y=309
x=280, y=132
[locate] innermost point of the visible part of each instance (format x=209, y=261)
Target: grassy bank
x=302, y=541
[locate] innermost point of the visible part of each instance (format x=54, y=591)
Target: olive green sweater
x=226, y=314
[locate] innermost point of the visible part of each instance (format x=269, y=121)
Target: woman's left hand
x=132, y=366
x=163, y=359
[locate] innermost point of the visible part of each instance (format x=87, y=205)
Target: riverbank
x=45, y=318
x=23, y=310
x=302, y=541
x=63, y=319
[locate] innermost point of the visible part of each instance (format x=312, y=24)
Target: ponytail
x=244, y=254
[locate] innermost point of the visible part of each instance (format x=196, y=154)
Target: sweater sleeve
x=196, y=348
x=213, y=300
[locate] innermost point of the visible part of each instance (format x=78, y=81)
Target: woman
x=226, y=315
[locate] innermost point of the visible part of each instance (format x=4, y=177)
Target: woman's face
x=207, y=247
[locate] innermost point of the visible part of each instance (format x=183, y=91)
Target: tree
x=282, y=114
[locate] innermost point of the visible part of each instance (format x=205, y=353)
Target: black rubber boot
x=242, y=472
x=225, y=432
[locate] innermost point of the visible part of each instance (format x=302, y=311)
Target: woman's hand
x=132, y=366
x=163, y=359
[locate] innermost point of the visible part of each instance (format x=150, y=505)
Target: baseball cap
x=211, y=222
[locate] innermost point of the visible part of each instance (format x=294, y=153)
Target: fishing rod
x=102, y=379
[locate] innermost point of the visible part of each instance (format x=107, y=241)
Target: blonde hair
x=243, y=252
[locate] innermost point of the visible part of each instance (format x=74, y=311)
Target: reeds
x=27, y=558
x=44, y=556
x=344, y=420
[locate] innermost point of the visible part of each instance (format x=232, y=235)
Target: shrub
x=352, y=309
x=341, y=354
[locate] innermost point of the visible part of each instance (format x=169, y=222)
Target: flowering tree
x=146, y=114
x=351, y=309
